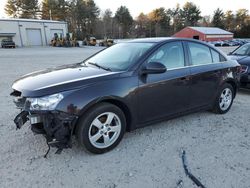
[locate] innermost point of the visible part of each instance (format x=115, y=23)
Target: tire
x=95, y=128
x=224, y=99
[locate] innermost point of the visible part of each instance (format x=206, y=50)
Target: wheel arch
x=120, y=104
x=233, y=84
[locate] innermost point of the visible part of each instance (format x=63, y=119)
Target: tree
x=12, y=8
x=22, y=8
x=142, y=25
x=177, y=21
x=77, y=18
x=29, y=9
x=124, y=20
x=205, y=21
x=55, y=9
x=92, y=13
x=82, y=18
x=229, y=20
x=190, y=14
x=161, y=21
x=241, y=17
x=218, y=18
x=107, y=20
x=242, y=23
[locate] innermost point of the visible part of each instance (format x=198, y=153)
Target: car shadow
x=245, y=91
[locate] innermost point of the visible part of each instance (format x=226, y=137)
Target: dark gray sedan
x=124, y=87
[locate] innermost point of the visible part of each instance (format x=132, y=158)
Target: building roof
x=211, y=30
x=32, y=20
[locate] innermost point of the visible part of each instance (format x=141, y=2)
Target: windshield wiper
x=99, y=66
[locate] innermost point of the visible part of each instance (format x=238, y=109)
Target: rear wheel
x=101, y=128
x=224, y=99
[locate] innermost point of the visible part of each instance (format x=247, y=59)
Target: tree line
x=85, y=18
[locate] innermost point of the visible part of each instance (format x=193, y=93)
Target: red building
x=204, y=33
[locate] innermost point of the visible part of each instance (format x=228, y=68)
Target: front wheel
x=101, y=128
x=224, y=99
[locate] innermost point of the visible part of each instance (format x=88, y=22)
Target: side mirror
x=153, y=68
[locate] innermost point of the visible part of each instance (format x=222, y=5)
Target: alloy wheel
x=226, y=98
x=104, y=130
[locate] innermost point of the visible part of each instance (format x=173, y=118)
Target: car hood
x=243, y=60
x=60, y=79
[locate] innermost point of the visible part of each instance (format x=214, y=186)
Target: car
x=89, y=41
x=124, y=87
x=242, y=55
x=8, y=43
x=106, y=42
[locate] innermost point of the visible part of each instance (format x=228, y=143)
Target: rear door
x=206, y=71
x=165, y=94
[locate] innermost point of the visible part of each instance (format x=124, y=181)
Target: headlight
x=45, y=103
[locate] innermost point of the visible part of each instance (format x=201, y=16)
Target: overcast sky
x=136, y=6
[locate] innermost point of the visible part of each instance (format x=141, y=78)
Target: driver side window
x=171, y=55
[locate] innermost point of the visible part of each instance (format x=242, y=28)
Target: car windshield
x=243, y=50
x=119, y=57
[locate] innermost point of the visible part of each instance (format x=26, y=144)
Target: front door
x=165, y=94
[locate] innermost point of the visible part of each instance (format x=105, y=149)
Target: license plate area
x=35, y=119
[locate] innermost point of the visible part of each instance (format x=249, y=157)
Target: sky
x=137, y=6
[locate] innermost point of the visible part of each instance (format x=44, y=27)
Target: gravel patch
x=217, y=146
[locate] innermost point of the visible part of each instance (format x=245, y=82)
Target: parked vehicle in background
x=242, y=55
x=218, y=43
x=67, y=41
x=126, y=86
x=106, y=42
x=89, y=41
x=225, y=43
x=8, y=43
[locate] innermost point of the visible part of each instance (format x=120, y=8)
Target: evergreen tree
x=190, y=14
x=218, y=19
x=125, y=21
x=107, y=23
x=55, y=9
x=161, y=21
x=29, y=8
x=229, y=21
x=12, y=8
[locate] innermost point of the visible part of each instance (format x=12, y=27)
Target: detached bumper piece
x=21, y=119
x=57, y=127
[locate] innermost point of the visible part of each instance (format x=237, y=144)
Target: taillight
x=243, y=69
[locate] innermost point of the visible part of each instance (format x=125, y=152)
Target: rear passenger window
x=216, y=56
x=200, y=54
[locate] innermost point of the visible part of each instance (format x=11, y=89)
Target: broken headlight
x=45, y=103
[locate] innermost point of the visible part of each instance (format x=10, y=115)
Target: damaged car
x=124, y=87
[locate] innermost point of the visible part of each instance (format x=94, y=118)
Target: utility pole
x=50, y=16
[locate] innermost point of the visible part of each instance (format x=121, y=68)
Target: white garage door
x=58, y=31
x=34, y=37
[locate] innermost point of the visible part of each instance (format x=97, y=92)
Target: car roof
x=159, y=40
x=154, y=40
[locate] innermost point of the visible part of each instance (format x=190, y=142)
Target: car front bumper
x=56, y=126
